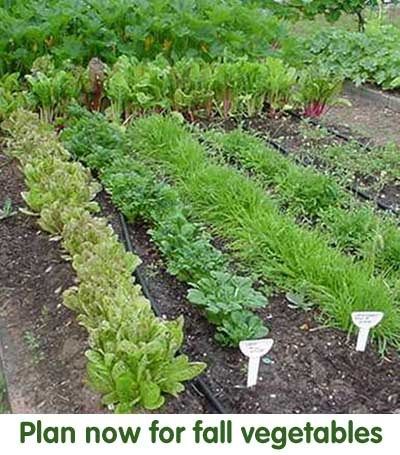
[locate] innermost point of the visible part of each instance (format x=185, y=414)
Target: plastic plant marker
x=254, y=350
x=365, y=320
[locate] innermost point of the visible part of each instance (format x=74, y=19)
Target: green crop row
x=226, y=299
x=132, y=360
x=227, y=88
x=271, y=243
x=315, y=199
x=194, y=87
x=361, y=57
x=78, y=30
x=371, y=168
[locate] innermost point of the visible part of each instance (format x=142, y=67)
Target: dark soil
x=310, y=369
x=42, y=346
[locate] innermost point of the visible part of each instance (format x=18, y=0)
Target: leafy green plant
x=52, y=93
x=224, y=297
x=361, y=57
x=133, y=358
x=191, y=254
x=185, y=245
x=280, y=83
x=7, y=210
x=318, y=90
x=77, y=31
x=11, y=95
x=199, y=88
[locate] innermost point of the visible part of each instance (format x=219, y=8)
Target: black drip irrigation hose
x=331, y=130
x=346, y=138
x=353, y=188
x=198, y=384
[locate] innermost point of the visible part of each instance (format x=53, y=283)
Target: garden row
x=315, y=199
x=76, y=31
x=272, y=244
x=372, y=170
x=225, y=297
x=132, y=360
x=79, y=30
x=195, y=87
x=204, y=89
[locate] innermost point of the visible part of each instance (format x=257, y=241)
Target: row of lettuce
x=194, y=87
x=133, y=358
x=322, y=260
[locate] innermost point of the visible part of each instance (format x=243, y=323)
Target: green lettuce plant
x=133, y=356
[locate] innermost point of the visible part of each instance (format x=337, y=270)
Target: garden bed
x=305, y=142
x=311, y=369
x=43, y=346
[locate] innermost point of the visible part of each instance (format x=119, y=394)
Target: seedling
x=7, y=210
x=254, y=350
x=365, y=320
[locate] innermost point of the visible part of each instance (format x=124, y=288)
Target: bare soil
x=365, y=119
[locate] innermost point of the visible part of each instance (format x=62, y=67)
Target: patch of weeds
x=33, y=344
x=312, y=132
x=45, y=311
x=7, y=210
x=153, y=269
x=4, y=408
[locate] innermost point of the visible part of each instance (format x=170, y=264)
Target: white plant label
x=254, y=350
x=365, y=320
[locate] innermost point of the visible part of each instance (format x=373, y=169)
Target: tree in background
x=331, y=9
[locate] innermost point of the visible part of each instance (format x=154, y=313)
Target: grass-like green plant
x=271, y=243
x=312, y=197
x=371, y=168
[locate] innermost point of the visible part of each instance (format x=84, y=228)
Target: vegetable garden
x=169, y=189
